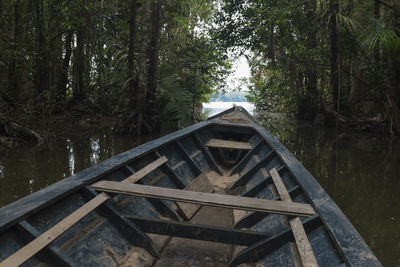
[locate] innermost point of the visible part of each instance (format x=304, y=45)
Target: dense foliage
x=144, y=59
x=324, y=59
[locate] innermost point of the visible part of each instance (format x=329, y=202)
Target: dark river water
x=360, y=171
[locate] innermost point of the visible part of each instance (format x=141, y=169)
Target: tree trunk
x=141, y=95
x=79, y=67
x=41, y=68
x=63, y=76
x=13, y=85
x=334, y=52
x=131, y=51
x=153, y=59
x=309, y=107
x=271, y=43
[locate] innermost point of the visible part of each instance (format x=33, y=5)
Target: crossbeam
x=208, y=199
x=146, y=170
x=29, y=250
x=198, y=231
x=227, y=144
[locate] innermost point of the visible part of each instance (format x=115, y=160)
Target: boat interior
x=217, y=196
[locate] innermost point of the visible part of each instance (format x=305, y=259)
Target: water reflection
x=95, y=147
x=71, y=158
x=359, y=171
x=29, y=168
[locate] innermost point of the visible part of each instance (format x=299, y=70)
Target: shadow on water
x=360, y=171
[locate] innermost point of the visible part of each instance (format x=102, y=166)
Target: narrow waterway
x=360, y=171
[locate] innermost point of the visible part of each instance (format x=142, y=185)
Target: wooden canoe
x=223, y=192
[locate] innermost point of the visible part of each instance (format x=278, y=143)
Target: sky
x=240, y=69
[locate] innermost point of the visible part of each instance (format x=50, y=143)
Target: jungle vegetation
x=151, y=63
x=326, y=60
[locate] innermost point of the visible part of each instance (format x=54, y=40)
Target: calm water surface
x=360, y=171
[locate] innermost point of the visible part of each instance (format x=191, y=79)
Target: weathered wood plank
x=198, y=231
x=200, y=184
x=50, y=235
x=129, y=230
x=227, y=144
x=52, y=254
x=280, y=187
x=261, y=249
x=216, y=200
x=302, y=243
x=146, y=170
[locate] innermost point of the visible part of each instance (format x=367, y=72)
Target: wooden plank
x=216, y=200
x=260, y=249
x=50, y=254
x=227, y=144
x=50, y=235
x=129, y=230
x=198, y=231
x=303, y=245
x=146, y=170
x=280, y=187
x=200, y=184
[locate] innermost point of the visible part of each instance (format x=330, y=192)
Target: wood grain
x=216, y=200
x=227, y=144
x=200, y=184
x=302, y=243
x=146, y=170
x=50, y=235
